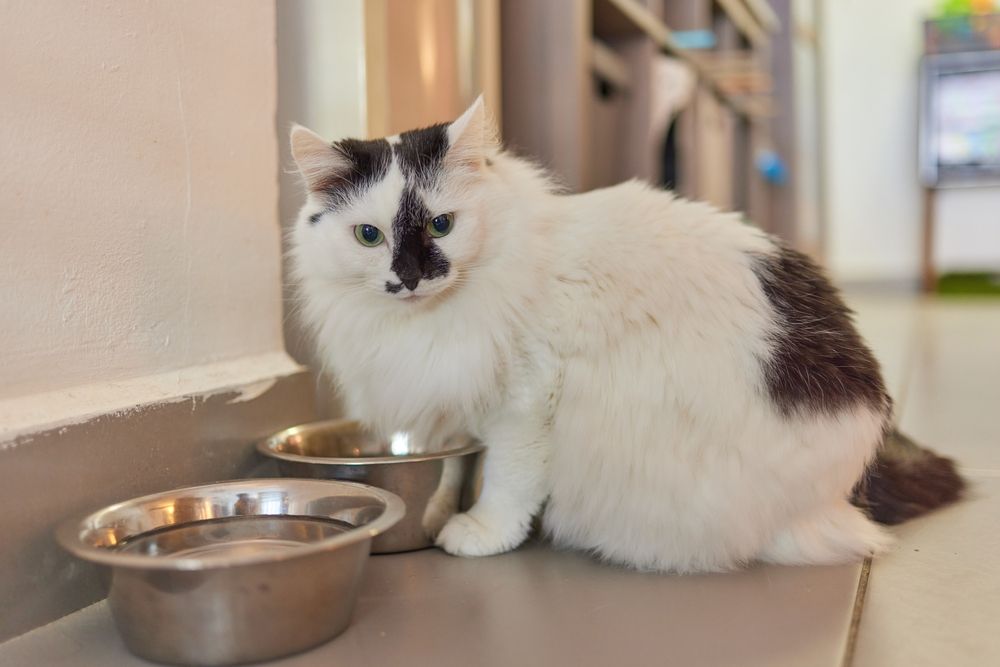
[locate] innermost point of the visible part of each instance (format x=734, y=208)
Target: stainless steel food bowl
x=237, y=571
x=434, y=485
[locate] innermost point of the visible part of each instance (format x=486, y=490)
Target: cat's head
x=399, y=218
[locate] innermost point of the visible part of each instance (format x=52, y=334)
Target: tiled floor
x=934, y=600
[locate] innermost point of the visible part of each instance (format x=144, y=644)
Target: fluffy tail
x=906, y=480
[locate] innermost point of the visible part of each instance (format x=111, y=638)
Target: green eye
x=369, y=235
x=441, y=225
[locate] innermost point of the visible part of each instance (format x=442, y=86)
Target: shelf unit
x=629, y=18
x=577, y=78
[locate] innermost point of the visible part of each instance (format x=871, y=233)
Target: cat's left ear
x=318, y=161
x=472, y=138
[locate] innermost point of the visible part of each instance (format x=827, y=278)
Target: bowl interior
x=243, y=519
x=339, y=442
x=342, y=439
x=233, y=536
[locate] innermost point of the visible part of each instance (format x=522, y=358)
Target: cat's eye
x=369, y=235
x=441, y=225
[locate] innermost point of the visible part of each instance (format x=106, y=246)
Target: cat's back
x=710, y=372
x=633, y=258
x=634, y=220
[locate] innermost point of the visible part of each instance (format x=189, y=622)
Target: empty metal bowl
x=237, y=571
x=434, y=485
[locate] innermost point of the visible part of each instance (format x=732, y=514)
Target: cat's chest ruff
x=452, y=367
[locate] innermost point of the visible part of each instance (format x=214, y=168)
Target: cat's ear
x=472, y=138
x=318, y=161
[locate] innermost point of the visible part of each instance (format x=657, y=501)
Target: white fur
x=606, y=348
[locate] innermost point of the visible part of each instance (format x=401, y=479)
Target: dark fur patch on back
x=421, y=152
x=906, y=480
x=370, y=162
x=818, y=363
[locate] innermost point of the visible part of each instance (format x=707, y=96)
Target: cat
x=671, y=388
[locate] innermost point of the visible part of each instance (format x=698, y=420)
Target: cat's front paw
x=436, y=516
x=468, y=535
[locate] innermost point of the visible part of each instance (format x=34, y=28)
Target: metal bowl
x=434, y=485
x=237, y=571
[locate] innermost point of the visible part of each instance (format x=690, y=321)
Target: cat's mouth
x=427, y=292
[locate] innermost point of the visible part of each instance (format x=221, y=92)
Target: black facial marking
x=818, y=361
x=420, y=153
x=369, y=161
x=314, y=218
x=415, y=256
x=393, y=288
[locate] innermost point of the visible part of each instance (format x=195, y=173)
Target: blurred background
x=865, y=133
x=147, y=333
x=824, y=121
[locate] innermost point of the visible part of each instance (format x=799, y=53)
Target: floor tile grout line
x=908, y=370
x=859, y=604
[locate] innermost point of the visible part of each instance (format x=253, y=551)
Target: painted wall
x=138, y=188
x=968, y=229
x=869, y=62
x=869, y=72
x=808, y=146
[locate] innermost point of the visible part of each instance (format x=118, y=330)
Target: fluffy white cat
x=678, y=391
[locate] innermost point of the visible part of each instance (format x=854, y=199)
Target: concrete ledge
x=67, y=469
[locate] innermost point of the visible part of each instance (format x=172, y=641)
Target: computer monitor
x=960, y=119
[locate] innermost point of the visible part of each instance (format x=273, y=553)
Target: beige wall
x=138, y=189
x=140, y=304
x=869, y=57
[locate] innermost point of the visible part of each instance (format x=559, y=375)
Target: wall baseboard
x=62, y=472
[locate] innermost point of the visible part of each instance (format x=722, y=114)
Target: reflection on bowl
x=434, y=485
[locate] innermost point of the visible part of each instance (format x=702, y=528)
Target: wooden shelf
x=623, y=18
x=764, y=14
x=628, y=18
x=746, y=22
x=739, y=73
x=591, y=136
x=609, y=66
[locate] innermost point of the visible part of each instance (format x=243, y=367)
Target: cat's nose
x=408, y=269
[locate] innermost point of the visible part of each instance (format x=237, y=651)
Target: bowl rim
x=68, y=532
x=269, y=447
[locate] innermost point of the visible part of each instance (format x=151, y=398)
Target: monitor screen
x=960, y=119
x=967, y=127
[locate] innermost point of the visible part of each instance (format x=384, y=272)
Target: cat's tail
x=906, y=480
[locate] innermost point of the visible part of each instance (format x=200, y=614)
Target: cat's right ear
x=472, y=138
x=318, y=161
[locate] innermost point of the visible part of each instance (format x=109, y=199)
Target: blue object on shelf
x=694, y=39
x=771, y=167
